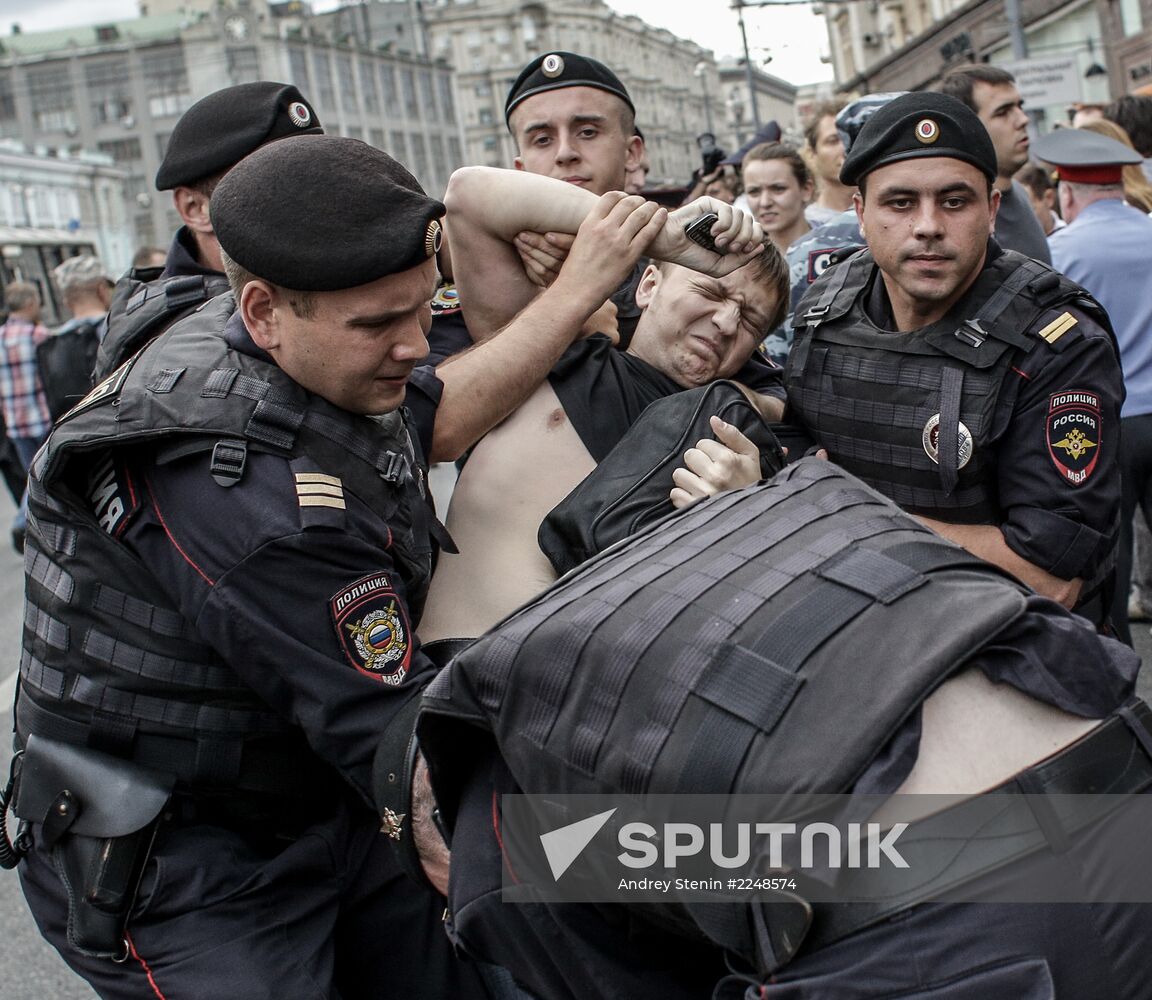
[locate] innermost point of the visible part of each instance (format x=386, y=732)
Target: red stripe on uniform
x=164, y=524
x=1022, y=374
x=147, y=971
x=499, y=839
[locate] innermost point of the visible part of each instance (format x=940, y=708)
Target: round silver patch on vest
x=552, y=66
x=931, y=441
x=300, y=115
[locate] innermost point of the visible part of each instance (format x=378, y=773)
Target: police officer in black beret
x=212, y=136
x=976, y=387
x=228, y=552
x=572, y=119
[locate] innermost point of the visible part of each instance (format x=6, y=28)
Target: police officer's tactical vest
x=767, y=640
x=912, y=414
x=108, y=662
x=144, y=306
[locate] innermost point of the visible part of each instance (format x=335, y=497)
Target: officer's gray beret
x=1085, y=157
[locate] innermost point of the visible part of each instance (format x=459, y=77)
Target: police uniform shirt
x=1063, y=528
x=603, y=390
x=290, y=578
x=1106, y=249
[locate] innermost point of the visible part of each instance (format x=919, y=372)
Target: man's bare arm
x=987, y=542
x=486, y=383
x=489, y=206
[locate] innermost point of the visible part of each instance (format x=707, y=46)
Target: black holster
x=95, y=817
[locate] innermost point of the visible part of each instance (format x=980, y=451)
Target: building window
x=419, y=164
x=1130, y=19
x=243, y=66
x=7, y=98
x=298, y=68
x=325, y=94
x=347, y=82
x=355, y=133
x=428, y=95
x=376, y=137
x=50, y=91
x=398, y=147
x=408, y=86
x=121, y=150
x=368, y=87
x=162, y=145
x=440, y=169
x=109, y=89
x=455, y=153
x=166, y=82
x=486, y=116
x=448, y=99
x=388, y=85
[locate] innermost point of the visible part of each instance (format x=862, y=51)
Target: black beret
x=920, y=124
x=218, y=131
x=563, y=69
x=322, y=212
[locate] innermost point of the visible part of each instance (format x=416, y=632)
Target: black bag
x=65, y=363
x=629, y=489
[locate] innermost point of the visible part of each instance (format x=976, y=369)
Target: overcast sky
x=791, y=35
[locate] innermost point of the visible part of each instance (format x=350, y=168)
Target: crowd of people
x=268, y=700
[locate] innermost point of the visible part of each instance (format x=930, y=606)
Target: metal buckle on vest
x=394, y=467
x=228, y=461
x=972, y=333
x=816, y=312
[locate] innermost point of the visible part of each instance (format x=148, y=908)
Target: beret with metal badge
x=563, y=69
x=915, y=125
x=219, y=130
x=324, y=212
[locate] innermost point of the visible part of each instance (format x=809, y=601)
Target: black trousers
x=330, y=916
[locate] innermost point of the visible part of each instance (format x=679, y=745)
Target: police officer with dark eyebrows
x=211, y=137
x=572, y=119
x=977, y=388
x=227, y=557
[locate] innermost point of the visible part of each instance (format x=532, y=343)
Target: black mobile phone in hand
x=699, y=231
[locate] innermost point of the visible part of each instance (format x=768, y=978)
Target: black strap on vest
x=269, y=767
x=815, y=316
x=948, y=440
x=983, y=324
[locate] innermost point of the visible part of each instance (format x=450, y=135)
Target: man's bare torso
x=517, y=473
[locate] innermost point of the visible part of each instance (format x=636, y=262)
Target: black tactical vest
x=144, y=305
x=769, y=640
x=107, y=661
x=912, y=414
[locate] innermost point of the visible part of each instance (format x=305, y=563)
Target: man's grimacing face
x=696, y=328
